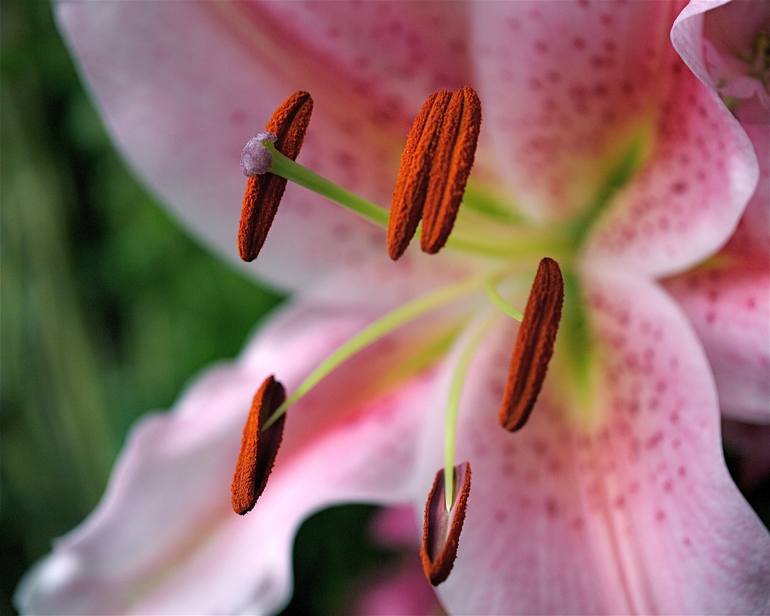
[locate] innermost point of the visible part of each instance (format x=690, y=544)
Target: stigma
x=255, y=157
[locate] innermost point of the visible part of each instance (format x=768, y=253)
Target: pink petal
x=184, y=85
x=164, y=538
x=402, y=591
x=715, y=38
x=687, y=200
x=571, y=87
x=633, y=513
x=397, y=527
x=752, y=237
x=729, y=307
x=728, y=303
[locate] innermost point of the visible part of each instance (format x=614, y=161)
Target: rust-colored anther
x=450, y=169
x=263, y=192
x=258, y=448
x=414, y=173
x=435, y=165
x=441, y=528
x=534, y=345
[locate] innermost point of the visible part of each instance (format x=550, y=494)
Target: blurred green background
x=104, y=317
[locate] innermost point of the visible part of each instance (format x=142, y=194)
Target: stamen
x=459, y=375
x=490, y=288
x=442, y=527
x=263, y=192
x=534, y=345
x=257, y=217
x=451, y=167
x=524, y=243
x=294, y=172
x=414, y=172
x=259, y=446
x=434, y=170
x=372, y=333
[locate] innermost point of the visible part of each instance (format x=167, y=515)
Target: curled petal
x=722, y=42
x=604, y=124
x=729, y=307
x=728, y=302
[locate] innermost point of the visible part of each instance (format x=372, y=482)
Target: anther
x=264, y=190
x=442, y=527
x=414, y=173
x=534, y=345
x=434, y=170
x=451, y=167
x=258, y=447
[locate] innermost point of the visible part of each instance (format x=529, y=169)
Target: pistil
x=439, y=162
x=264, y=190
x=435, y=166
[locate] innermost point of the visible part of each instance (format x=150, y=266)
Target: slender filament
x=532, y=242
x=373, y=332
x=490, y=288
x=294, y=172
x=453, y=405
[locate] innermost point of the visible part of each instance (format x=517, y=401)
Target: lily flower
x=605, y=156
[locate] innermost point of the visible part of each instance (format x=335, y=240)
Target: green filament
x=490, y=288
x=453, y=405
x=370, y=334
x=294, y=172
x=532, y=242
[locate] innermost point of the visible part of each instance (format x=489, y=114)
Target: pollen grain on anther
x=534, y=345
x=258, y=447
x=414, y=172
x=263, y=193
x=441, y=528
x=451, y=167
x=434, y=170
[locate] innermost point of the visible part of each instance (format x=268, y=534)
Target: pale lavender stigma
x=255, y=158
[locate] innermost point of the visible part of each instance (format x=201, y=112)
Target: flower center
x=429, y=190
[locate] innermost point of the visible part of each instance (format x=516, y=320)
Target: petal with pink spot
x=183, y=85
x=729, y=307
x=634, y=514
